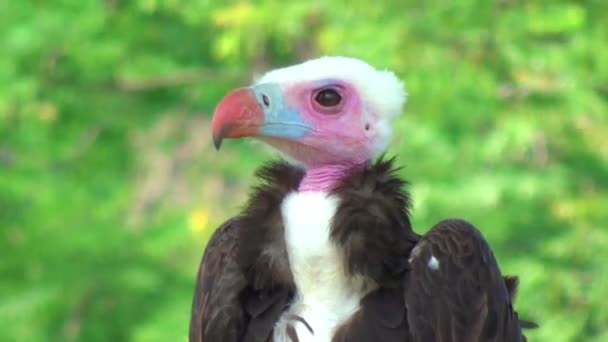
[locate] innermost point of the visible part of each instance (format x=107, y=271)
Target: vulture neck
x=326, y=177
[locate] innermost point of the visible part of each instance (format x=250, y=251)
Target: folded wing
x=455, y=290
x=225, y=307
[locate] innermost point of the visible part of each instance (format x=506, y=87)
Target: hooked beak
x=259, y=110
x=238, y=115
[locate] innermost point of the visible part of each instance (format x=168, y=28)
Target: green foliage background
x=109, y=185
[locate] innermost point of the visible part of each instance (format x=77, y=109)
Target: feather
x=443, y=286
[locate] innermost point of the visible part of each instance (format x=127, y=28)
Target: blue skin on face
x=280, y=120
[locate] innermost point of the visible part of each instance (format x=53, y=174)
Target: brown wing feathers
x=245, y=282
x=217, y=314
x=462, y=296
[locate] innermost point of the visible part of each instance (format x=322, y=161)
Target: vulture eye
x=328, y=97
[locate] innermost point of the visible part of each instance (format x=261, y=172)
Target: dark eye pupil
x=328, y=98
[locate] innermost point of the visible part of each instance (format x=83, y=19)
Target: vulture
x=324, y=248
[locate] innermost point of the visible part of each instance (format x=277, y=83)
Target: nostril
x=266, y=100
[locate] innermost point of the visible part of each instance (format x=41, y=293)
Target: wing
x=225, y=307
x=455, y=291
x=217, y=312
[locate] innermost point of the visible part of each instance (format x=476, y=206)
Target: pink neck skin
x=325, y=177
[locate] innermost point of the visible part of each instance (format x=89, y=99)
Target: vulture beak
x=238, y=115
x=258, y=110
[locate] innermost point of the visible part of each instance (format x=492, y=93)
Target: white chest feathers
x=326, y=296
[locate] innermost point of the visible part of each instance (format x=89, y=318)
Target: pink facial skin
x=340, y=135
x=341, y=138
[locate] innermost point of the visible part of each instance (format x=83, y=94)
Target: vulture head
x=326, y=111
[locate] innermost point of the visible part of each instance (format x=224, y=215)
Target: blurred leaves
x=109, y=185
x=199, y=220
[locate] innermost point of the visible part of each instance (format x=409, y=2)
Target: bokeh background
x=110, y=187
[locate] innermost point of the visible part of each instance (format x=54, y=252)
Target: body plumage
x=324, y=250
